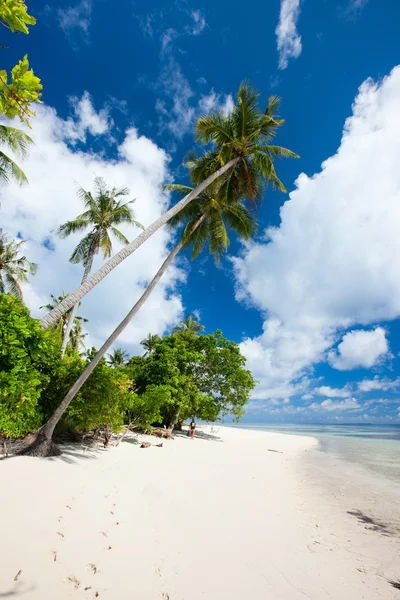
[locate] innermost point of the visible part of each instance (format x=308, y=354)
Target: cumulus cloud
x=329, y=265
x=53, y=168
x=288, y=39
x=385, y=384
x=326, y=390
x=331, y=405
x=359, y=348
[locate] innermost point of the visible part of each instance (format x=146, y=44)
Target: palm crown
x=190, y=325
x=14, y=268
x=245, y=135
x=150, y=343
x=104, y=211
x=117, y=357
x=208, y=219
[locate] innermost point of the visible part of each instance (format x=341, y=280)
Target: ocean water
x=372, y=447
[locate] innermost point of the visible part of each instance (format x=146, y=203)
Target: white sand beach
x=220, y=517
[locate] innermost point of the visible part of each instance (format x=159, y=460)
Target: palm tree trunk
x=113, y=262
x=43, y=444
x=74, y=310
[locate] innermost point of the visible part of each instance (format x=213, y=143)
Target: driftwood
x=148, y=445
x=162, y=433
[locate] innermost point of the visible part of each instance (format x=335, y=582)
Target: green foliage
x=102, y=400
x=19, y=91
x=14, y=13
x=205, y=376
x=76, y=335
x=185, y=375
x=27, y=358
x=23, y=87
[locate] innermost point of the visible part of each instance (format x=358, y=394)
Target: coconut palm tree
x=104, y=210
x=14, y=268
x=150, y=343
x=241, y=149
x=206, y=219
x=117, y=357
x=18, y=142
x=76, y=335
x=190, y=325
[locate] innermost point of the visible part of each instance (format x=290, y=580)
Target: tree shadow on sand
x=18, y=590
x=202, y=435
x=371, y=523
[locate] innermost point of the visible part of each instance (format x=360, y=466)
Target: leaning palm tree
x=190, y=325
x=118, y=357
x=149, y=344
x=241, y=148
x=104, y=210
x=207, y=220
x=14, y=268
x=18, y=142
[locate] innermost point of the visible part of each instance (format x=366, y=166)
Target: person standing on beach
x=192, y=428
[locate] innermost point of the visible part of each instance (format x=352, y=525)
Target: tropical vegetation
x=50, y=383
x=187, y=374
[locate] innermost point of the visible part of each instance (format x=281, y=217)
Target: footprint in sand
x=92, y=567
x=74, y=581
x=61, y=535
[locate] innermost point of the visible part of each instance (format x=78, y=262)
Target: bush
x=27, y=358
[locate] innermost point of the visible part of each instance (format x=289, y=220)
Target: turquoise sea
x=373, y=447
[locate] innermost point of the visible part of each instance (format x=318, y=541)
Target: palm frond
x=15, y=139
x=87, y=246
x=119, y=235
x=10, y=170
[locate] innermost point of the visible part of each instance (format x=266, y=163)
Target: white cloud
x=369, y=385
x=36, y=210
x=329, y=392
x=76, y=18
x=86, y=120
x=330, y=265
x=288, y=39
x=359, y=348
x=176, y=114
x=213, y=102
x=331, y=405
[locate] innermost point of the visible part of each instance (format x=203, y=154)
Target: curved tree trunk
x=113, y=262
x=43, y=444
x=173, y=419
x=74, y=310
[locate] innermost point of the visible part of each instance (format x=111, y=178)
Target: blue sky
x=315, y=301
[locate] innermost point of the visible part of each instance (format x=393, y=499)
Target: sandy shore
x=220, y=517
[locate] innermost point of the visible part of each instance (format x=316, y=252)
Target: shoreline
x=234, y=513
